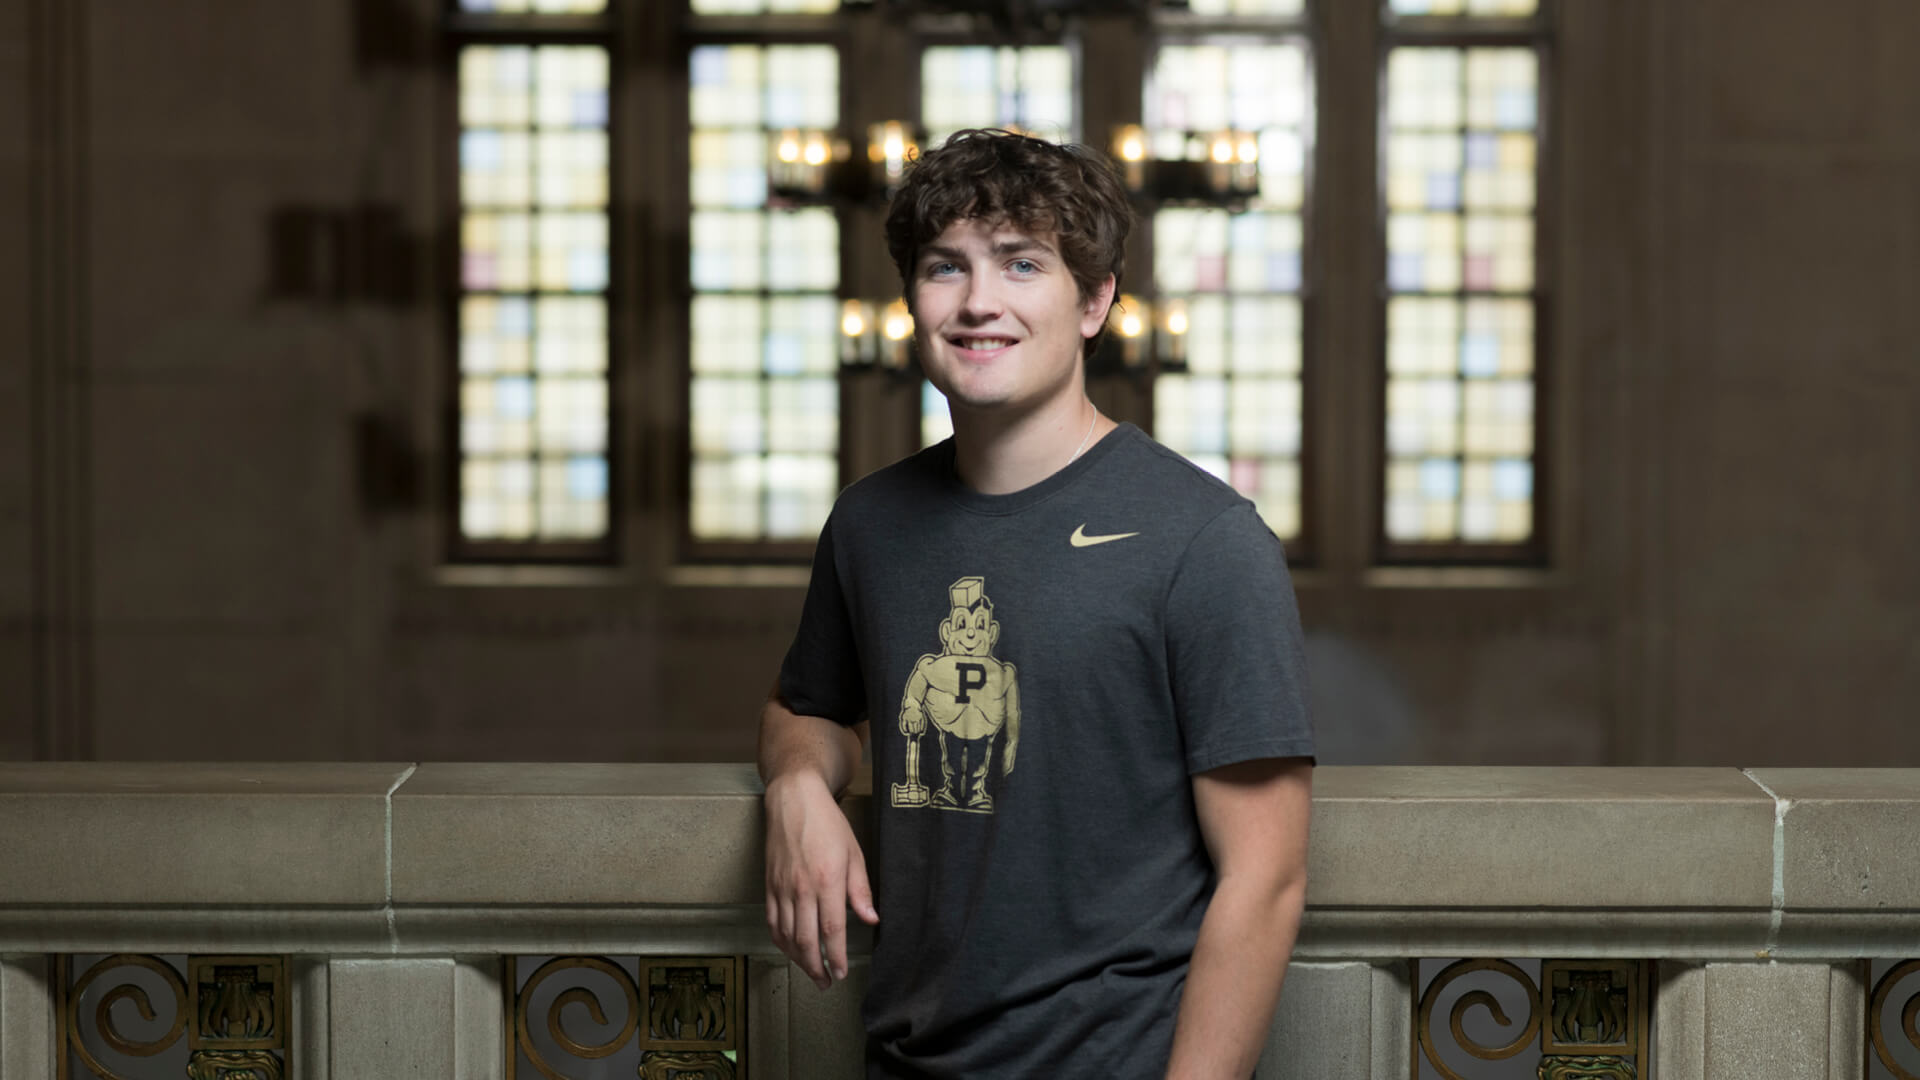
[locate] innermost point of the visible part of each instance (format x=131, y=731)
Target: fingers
x=780, y=922
x=812, y=939
x=815, y=869
x=806, y=941
x=833, y=925
x=859, y=893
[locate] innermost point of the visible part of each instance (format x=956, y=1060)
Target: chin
x=976, y=400
x=974, y=397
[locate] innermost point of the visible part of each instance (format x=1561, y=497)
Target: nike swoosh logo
x=1081, y=539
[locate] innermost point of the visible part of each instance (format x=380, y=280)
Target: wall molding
x=60, y=402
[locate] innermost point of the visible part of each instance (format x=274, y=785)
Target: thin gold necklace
x=1084, y=438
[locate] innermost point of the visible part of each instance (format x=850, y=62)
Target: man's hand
x=815, y=870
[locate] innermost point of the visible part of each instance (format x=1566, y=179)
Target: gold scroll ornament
x=577, y=995
x=103, y=1013
x=1423, y=1016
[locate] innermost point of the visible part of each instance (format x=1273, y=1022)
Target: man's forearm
x=1234, y=979
x=790, y=743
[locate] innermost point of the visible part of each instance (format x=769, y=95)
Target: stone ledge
x=1852, y=837
x=535, y=835
x=1386, y=836
x=183, y=833
x=578, y=834
x=1327, y=934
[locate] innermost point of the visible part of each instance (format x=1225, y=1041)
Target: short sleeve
x=1234, y=650
x=821, y=674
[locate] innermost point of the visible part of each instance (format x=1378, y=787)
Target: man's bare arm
x=1253, y=816
x=790, y=742
x=815, y=868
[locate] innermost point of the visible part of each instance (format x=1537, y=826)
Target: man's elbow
x=1279, y=888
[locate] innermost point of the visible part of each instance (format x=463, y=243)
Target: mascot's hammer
x=913, y=792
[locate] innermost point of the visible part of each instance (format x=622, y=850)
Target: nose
x=982, y=302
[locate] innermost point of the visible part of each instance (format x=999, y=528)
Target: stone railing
x=385, y=922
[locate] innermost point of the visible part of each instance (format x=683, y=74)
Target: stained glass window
x=548, y=7
x=533, y=307
x=765, y=7
x=1026, y=88
x=1234, y=408
x=1461, y=181
x=1502, y=8
x=980, y=86
x=1263, y=8
x=765, y=394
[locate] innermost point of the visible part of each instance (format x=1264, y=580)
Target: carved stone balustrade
x=390, y=921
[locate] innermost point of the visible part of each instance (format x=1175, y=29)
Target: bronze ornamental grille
x=231, y=1009
x=1589, y=1019
x=682, y=1014
x=683, y=1017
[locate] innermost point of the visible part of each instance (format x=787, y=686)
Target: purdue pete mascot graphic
x=972, y=700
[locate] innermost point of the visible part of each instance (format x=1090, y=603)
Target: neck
x=997, y=454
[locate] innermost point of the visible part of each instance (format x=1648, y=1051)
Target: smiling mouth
x=982, y=344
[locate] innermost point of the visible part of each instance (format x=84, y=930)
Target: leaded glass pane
x=1460, y=186
x=533, y=311
x=1505, y=8
x=1235, y=410
x=765, y=7
x=765, y=396
x=1247, y=86
x=1263, y=8
x=544, y=7
x=1028, y=88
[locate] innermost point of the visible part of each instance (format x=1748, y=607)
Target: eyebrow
x=999, y=249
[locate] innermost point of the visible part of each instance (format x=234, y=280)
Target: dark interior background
x=221, y=520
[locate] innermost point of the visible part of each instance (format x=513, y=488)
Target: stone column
x=27, y=1042
x=415, y=1019
x=1781, y=1021
x=795, y=1031
x=1341, y=1022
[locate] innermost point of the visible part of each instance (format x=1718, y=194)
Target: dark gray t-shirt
x=1044, y=671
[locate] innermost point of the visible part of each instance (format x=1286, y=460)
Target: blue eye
x=1024, y=266
x=937, y=269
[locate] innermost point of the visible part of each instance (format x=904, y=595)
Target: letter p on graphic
x=972, y=677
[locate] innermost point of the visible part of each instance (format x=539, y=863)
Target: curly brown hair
x=1034, y=185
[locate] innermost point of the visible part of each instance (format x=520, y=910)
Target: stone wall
x=188, y=568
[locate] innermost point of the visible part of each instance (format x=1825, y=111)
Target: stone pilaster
x=1340, y=1022
x=1781, y=1021
x=27, y=1042
x=415, y=1019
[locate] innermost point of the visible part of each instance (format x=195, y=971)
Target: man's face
x=998, y=317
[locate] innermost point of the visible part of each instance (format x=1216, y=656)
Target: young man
x=1078, y=660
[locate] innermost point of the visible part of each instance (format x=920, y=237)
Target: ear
x=1094, y=315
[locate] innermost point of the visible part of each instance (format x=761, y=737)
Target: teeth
x=986, y=343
